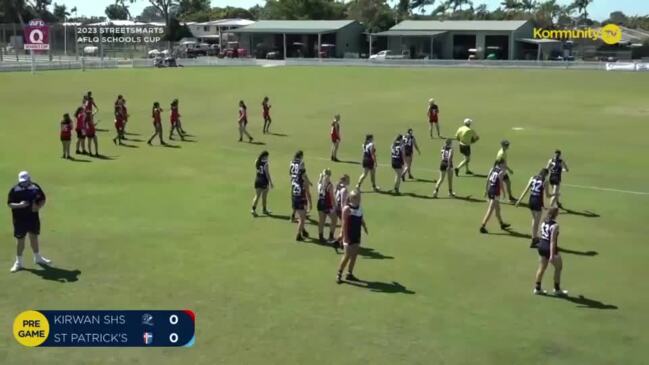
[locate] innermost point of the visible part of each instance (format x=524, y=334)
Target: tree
x=481, y=12
x=528, y=6
x=60, y=12
x=151, y=14
x=116, y=12
x=617, y=17
x=511, y=6
x=376, y=15
x=547, y=14
x=304, y=9
x=189, y=7
x=166, y=7
x=582, y=7
x=420, y=4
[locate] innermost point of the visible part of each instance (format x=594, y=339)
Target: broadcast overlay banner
x=130, y=328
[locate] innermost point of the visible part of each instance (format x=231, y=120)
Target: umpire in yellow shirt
x=466, y=136
x=502, y=156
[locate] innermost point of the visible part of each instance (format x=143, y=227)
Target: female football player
x=80, y=116
x=397, y=155
x=335, y=137
x=156, y=112
x=350, y=235
x=295, y=168
x=120, y=122
x=492, y=190
x=174, y=118
x=369, y=162
x=243, y=122
x=91, y=133
x=262, y=183
x=536, y=187
x=66, y=135
x=557, y=166
x=299, y=203
x=446, y=168
x=410, y=144
x=433, y=117
x=549, y=253
x=265, y=106
x=326, y=205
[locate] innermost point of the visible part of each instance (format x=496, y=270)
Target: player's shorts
x=338, y=211
x=368, y=163
x=408, y=152
x=80, y=134
x=335, y=138
x=493, y=193
x=90, y=134
x=261, y=184
x=157, y=126
x=465, y=149
x=445, y=167
x=353, y=243
x=323, y=207
x=555, y=179
x=536, y=203
x=299, y=203
x=433, y=120
x=174, y=122
x=27, y=225
x=506, y=178
x=397, y=164
x=65, y=138
x=119, y=125
x=544, y=251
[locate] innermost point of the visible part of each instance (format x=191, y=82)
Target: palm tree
x=511, y=6
x=582, y=7
x=481, y=12
x=547, y=13
x=528, y=5
x=457, y=4
x=420, y=4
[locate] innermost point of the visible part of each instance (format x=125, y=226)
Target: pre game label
x=105, y=328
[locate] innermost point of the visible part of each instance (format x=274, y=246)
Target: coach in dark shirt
x=25, y=200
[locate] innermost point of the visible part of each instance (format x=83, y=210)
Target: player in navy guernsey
x=557, y=166
x=410, y=145
x=299, y=203
x=262, y=183
x=326, y=206
x=538, y=192
x=493, y=189
x=446, y=168
x=369, y=162
x=25, y=200
x=549, y=253
x=398, y=157
x=350, y=235
x=296, y=167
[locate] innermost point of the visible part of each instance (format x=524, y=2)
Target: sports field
x=170, y=228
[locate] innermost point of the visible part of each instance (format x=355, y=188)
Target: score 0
x=173, y=320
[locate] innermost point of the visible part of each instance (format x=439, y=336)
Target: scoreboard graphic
x=129, y=328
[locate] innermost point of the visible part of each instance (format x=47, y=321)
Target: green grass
x=160, y=228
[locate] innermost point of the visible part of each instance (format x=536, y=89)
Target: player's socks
x=351, y=277
x=299, y=238
x=305, y=233
x=457, y=171
x=505, y=225
x=483, y=229
x=321, y=238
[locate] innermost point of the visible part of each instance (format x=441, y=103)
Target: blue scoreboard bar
x=127, y=328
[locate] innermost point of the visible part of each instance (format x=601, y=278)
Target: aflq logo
x=37, y=35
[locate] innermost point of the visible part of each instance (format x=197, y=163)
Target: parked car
x=386, y=55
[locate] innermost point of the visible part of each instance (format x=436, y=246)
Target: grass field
x=164, y=228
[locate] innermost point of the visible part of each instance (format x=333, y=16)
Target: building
x=461, y=39
x=302, y=38
x=216, y=31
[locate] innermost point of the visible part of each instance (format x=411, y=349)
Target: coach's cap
x=23, y=176
x=467, y=122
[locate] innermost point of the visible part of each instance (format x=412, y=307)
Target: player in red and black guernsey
x=446, y=168
x=538, y=192
x=90, y=131
x=369, y=162
x=89, y=105
x=243, y=122
x=409, y=147
x=433, y=117
x=25, y=200
x=265, y=106
x=174, y=118
x=350, y=235
x=335, y=137
x=120, y=121
x=326, y=206
x=397, y=159
x=557, y=166
x=549, y=253
x=493, y=189
x=66, y=135
x=156, y=112
x=80, y=116
x=263, y=182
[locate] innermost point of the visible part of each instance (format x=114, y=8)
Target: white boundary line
x=585, y=187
